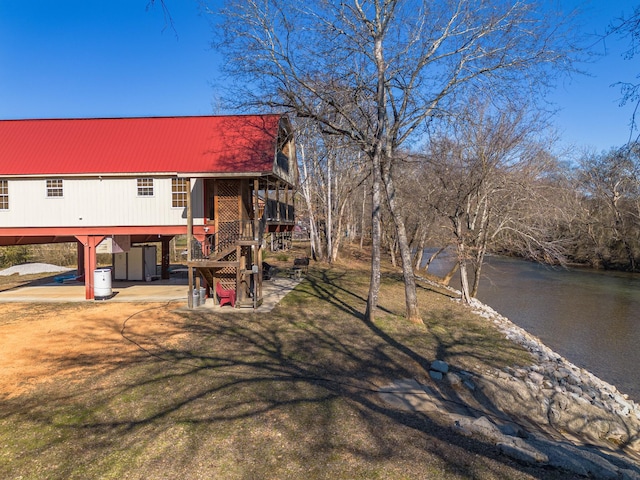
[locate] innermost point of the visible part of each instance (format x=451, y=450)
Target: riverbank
x=100, y=390
x=574, y=409
x=588, y=317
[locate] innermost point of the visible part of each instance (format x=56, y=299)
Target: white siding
x=95, y=202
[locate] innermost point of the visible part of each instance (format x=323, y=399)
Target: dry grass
x=292, y=394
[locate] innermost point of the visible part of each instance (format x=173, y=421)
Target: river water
x=592, y=318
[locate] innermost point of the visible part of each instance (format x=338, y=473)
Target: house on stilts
x=223, y=181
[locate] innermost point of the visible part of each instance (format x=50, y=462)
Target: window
x=145, y=187
x=4, y=195
x=54, y=188
x=178, y=192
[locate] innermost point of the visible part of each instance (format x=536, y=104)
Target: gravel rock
x=549, y=397
x=440, y=366
x=31, y=268
x=453, y=379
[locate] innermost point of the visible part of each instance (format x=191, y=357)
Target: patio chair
x=302, y=263
x=267, y=271
x=225, y=296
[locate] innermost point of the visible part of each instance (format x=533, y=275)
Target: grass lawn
x=289, y=394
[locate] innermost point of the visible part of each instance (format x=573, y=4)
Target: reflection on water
x=591, y=318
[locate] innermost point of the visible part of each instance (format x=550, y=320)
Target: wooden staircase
x=232, y=268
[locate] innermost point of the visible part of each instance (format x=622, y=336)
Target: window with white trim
x=178, y=192
x=145, y=187
x=4, y=194
x=54, y=188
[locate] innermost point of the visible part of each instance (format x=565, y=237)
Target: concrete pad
x=175, y=289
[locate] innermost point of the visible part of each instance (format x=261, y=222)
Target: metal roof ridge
x=141, y=117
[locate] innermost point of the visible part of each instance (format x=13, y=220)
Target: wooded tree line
x=488, y=182
x=485, y=184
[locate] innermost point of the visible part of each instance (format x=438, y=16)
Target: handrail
x=218, y=242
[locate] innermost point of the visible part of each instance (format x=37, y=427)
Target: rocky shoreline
x=550, y=412
x=554, y=375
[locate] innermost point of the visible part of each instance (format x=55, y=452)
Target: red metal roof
x=207, y=144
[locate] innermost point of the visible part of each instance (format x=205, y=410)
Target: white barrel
x=102, y=283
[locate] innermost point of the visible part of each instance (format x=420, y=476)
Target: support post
x=166, y=259
x=256, y=210
x=242, y=286
x=80, y=246
x=241, y=264
x=278, y=201
x=189, y=242
x=286, y=201
x=89, y=242
x=257, y=277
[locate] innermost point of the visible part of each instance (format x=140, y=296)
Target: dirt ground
x=292, y=397
x=37, y=347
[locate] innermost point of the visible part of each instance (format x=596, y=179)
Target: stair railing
x=219, y=242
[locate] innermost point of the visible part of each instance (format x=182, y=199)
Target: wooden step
x=220, y=255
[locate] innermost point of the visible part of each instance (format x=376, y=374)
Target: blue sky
x=104, y=58
x=118, y=58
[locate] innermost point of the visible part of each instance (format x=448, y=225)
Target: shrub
x=14, y=255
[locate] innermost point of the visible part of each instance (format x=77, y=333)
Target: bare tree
x=489, y=165
x=168, y=19
x=628, y=27
x=331, y=175
x=611, y=185
x=307, y=194
x=376, y=72
x=416, y=189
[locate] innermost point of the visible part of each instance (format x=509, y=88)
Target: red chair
x=225, y=296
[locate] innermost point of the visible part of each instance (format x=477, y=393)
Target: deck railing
x=278, y=211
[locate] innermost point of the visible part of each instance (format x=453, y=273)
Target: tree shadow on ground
x=292, y=394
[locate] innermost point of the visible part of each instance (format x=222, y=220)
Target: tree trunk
x=433, y=257
x=447, y=278
x=411, y=296
x=329, y=202
x=374, y=283
x=483, y=236
x=391, y=246
x=337, y=241
x=316, y=244
x=419, y=255
x=464, y=280
x=476, y=274
x=462, y=261
x=362, y=222
x=376, y=169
